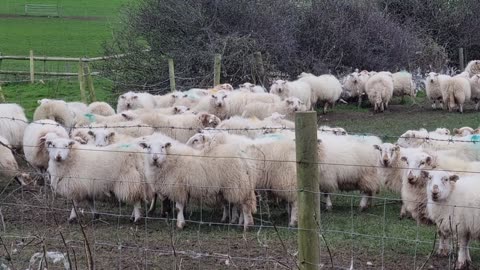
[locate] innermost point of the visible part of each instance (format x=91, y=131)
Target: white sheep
x=34, y=139
x=298, y=89
x=442, y=131
x=180, y=127
x=389, y=158
x=434, y=83
x=253, y=127
x=288, y=107
x=332, y=130
x=403, y=84
x=8, y=164
x=132, y=101
x=473, y=68
x=100, y=108
x=107, y=136
x=325, y=88
x=88, y=173
x=379, y=90
x=457, y=91
x=75, y=107
x=184, y=174
x=346, y=165
x=12, y=124
x=454, y=207
x=90, y=118
x=354, y=85
x=250, y=87
x=463, y=131
x=225, y=105
x=475, y=90
x=58, y=111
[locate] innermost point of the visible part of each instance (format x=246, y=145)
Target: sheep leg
x=225, y=213
x=403, y=211
x=434, y=104
x=136, y=213
x=247, y=216
x=477, y=105
x=73, y=213
x=443, y=249
x=240, y=219
x=153, y=205
x=328, y=202
x=462, y=261
x=375, y=108
x=325, y=108
x=235, y=215
x=293, y=215
x=180, y=217
x=91, y=204
x=460, y=108
x=364, y=201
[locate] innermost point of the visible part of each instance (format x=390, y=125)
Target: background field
x=34, y=219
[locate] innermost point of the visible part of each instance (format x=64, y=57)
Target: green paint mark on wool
x=125, y=145
x=475, y=138
x=90, y=117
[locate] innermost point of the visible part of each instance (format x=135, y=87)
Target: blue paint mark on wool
x=274, y=136
x=125, y=145
x=475, y=138
x=90, y=117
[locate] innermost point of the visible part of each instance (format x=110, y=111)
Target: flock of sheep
x=219, y=146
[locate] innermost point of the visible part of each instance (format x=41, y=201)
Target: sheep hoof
x=363, y=208
x=72, y=220
x=180, y=225
x=292, y=224
x=96, y=216
x=461, y=265
x=328, y=208
x=442, y=252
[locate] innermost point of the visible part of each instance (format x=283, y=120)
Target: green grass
x=27, y=94
x=103, y=8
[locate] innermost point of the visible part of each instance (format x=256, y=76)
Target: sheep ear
x=319, y=141
x=376, y=146
x=111, y=134
x=424, y=174
x=39, y=102
x=429, y=160
x=122, y=97
x=455, y=130
x=213, y=96
x=71, y=142
x=453, y=178
x=135, y=97
x=80, y=140
x=143, y=145
x=126, y=116
x=185, y=95
x=167, y=145
x=175, y=109
x=91, y=133
x=396, y=147
x=403, y=159
x=289, y=102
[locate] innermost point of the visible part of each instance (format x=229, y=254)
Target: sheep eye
x=195, y=140
x=422, y=163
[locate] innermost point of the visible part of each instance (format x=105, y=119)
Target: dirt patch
x=73, y=18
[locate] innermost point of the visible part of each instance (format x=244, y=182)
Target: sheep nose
x=155, y=158
x=385, y=162
x=58, y=158
x=431, y=81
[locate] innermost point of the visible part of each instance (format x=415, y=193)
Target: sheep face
x=412, y=138
x=295, y=105
x=59, y=148
x=102, y=137
x=209, y=120
x=442, y=131
x=415, y=163
x=197, y=141
x=224, y=87
x=156, y=151
x=440, y=184
x=432, y=77
x=129, y=101
x=247, y=86
x=279, y=88
x=180, y=109
x=218, y=100
x=388, y=153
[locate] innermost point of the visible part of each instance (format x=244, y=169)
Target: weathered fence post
x=171, y=74
x=81, y=81
x=32, y=68
x=260, y=68
x=2, y=96
x=461, y=59
x=91, y=89
x=308, y=190
x=217, y=68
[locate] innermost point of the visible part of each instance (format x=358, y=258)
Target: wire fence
x=35, y=231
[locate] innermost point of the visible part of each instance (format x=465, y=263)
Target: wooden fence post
x=171, y=73
x=91, y=89
x=461, y=59
x=308, y=190
x=217, y=68
x=81, y=81
x=260, y=68
x=2, y=96
x=32, y=68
